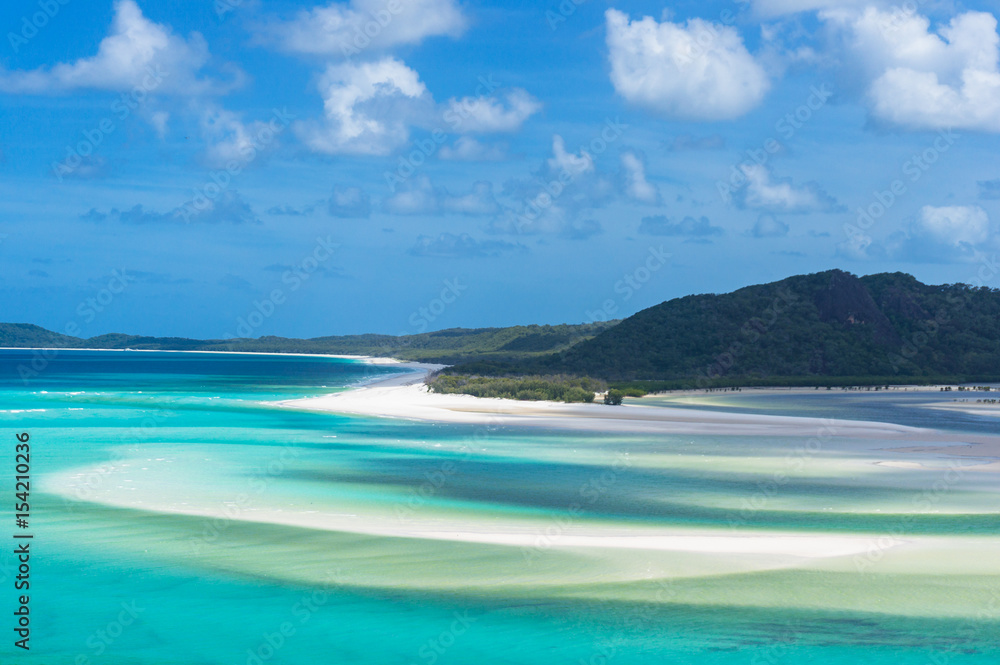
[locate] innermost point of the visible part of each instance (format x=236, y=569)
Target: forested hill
x=443, y=346
x=801, y=330
x=829, y=324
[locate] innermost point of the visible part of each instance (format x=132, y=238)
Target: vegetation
x=444, y=346
x=829, y=328
x=555, y=388
x=614, y=397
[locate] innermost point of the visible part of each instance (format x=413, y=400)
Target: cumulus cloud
x=137, y=53
x=634, y=182
x=449, y=245
x=468, y=149
x=347, y=202
x=422, y=198
x=563, y=161
x=229, y=139
x=938, y=234
x=562, y=191
x=763, y=192
x=228, y=208
x=954, y=225
x=923, y=79
x=944, y=234
x=347, y=29
x=660, y=225
x=696, y=71
x=368, y=108
x=487, y=114
x=769, y=226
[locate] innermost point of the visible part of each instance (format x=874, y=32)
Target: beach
x=759, y=480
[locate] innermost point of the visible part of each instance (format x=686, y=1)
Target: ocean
x=180, y=516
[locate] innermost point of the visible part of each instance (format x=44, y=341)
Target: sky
x=221, y=168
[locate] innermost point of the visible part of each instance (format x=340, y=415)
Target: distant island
x=824, y=329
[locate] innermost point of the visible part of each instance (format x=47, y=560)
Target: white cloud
x=561, y=160
x=490, y=114
x=468, y=149
x=558, y=196
x=634, y=181
x=227, y=138
x=346, y=29
x=945, y=234
x=136, y=54
x=422, y=198
x=368, y=108
x=159, y=120
x=921, y=79
x=762, y=192
x=697, y=71
x=348, y=202
x=954, y=225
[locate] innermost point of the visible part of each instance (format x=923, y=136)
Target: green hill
x=456, y=345
x=26, y=335
x=824, y=328
x=829, y=324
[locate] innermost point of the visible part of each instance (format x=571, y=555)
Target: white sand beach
x=407, y=397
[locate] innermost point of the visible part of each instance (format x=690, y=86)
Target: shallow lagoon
x=198, y=502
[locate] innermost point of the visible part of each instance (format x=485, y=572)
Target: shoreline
x=369, y=360
x=406, y=397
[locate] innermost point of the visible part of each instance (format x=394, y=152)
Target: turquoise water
x=169, y=434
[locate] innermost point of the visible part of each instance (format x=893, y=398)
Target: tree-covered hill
x=807, y=329
x=444, y=346
x=829, y=324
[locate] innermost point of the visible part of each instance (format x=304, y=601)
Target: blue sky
x=298, y=169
